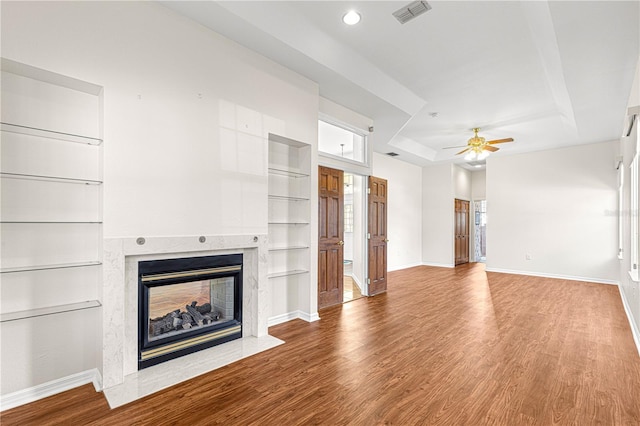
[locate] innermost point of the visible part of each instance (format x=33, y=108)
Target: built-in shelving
x=50, y=310
x=289, y=212
x=51, y=207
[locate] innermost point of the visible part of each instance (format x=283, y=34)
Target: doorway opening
x=480, y=233
x=354, y=243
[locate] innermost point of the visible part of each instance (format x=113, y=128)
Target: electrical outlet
x=527, y=256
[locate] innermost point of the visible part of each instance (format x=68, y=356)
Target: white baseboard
x=398, y=268
x=438, y=265
x=557, y=276
x=357, y=281
x=279, y=319
x=634, y=328
x=308, y=317
x=53, y=387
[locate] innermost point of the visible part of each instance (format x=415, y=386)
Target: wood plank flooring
x=350, y=290
x=441, y=346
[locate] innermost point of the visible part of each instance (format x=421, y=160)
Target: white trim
x=279, y=319
x=634, y=328
x=308, y=317
x=329, y=119
x=357, y=281
x=410, y=265
x=53, y=387
x=633, y=275
x=438, y=265
x=557, y=276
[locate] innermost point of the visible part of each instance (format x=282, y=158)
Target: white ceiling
x=548, y=74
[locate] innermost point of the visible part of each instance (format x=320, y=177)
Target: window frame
x=362, y=133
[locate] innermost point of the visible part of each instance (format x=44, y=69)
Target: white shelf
x=287, y=273
x=51, y=134
x=289, y=223
x=281, y=171
x=54, y=266
x=281, y=248
x=32, y=313
x=49, y=178
x=287, y=198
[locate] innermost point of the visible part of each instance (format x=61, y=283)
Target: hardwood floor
x=350, y=290
x=441, y=346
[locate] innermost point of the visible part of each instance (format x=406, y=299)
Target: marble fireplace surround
x=122, y=382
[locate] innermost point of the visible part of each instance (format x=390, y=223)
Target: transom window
x=341, y=142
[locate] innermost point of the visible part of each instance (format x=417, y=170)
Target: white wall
x=461, y=183
x=186, y=111
x=479, y=184
x=404, y=205
x=554, y=206
x=186, y=118
x=437, y=215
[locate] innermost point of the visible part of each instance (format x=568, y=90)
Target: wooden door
x=330, y=236
x=377, y=235
x=461, y=237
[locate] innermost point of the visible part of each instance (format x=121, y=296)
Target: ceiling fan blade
x=490, y=148
x=452, y=147
x=500, y=141
x=463, y=151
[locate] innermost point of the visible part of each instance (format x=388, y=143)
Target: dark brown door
x=461, y=236
x=377, y=235
x=330, y=236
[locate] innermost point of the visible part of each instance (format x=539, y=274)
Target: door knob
x=340, y=243
x=386, y=241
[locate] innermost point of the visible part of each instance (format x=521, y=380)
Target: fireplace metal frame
x=155, y=273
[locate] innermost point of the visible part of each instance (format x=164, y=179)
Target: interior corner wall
x=404, y=205
x=556, y=207
x=437, y=215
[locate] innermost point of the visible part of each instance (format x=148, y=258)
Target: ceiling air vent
x=411, y=10
x=392, y=154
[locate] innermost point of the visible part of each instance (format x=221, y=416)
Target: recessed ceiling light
x=351, y=18
x=477, y=166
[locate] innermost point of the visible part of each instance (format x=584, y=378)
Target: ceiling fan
x=478, y=148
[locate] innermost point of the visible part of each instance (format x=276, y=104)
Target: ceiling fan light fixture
x=351, y=17
x=476, y=155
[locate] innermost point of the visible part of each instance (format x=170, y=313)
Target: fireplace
x=187, y=304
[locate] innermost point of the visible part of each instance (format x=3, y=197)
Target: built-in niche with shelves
x=50, y=223
x=289, y=218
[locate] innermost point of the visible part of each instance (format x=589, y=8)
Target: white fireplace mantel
x=120, y=290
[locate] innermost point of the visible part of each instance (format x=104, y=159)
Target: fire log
x=197, y=316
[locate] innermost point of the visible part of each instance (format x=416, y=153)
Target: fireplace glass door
x=187, y=305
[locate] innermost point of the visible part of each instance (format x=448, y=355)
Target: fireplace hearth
x=187, y=304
